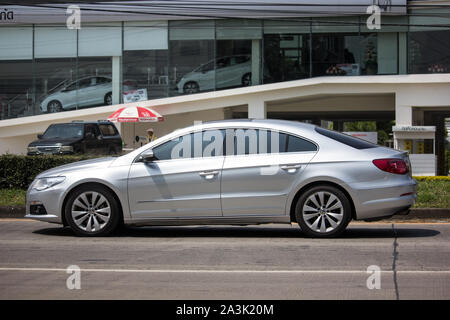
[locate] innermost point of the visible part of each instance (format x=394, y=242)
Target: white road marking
x=226, y=271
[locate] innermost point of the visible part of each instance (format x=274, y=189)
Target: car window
x=71, y=86
x=260, y=141
x=296, y=144
x=84, y=83
x=241, y=59
x=101, y=80
x=208, y=67
x=177, y=148
x=222, y=63
x=346, y=139
x=208, y=143
x=107, y=130
x=91, y=129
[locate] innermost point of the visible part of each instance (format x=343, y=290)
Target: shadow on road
x=354, y=232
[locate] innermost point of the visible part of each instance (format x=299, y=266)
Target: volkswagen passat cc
x=230, y=172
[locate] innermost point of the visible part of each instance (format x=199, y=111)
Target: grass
x=432, y=194
x=12, y=197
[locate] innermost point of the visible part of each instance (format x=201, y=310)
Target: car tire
x=108, y=99
x=191, y=87
x=54, y=106
x=247, y=79
x=92, y=211
x=323, y=211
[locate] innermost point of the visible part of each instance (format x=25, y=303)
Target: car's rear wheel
x=92, y=210
x=247, y=79
x=108, y=99
x=191, y=87
x=323, y=211
x=54, y=106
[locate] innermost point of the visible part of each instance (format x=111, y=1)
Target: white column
x=403, y=115
x=257, y=109
x=256, y=60
x=116, y=79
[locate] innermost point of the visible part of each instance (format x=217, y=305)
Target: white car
x=84, y=92
x=224, y=72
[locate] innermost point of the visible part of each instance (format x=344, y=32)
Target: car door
x=92, y=142
x=68, y=96
x=256, y=179
x=180, y=183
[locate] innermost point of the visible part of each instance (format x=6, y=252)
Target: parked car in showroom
x=84, y=92
x=230, y=172
x=100, y=137
x=224, y=72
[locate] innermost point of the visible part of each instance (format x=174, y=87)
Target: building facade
x=160, y=54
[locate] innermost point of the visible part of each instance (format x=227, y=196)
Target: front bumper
x=49, y=199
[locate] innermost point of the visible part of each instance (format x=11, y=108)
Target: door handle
x=209, y=174
x=291, y=168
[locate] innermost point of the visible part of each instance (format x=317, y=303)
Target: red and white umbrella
x=135, y=114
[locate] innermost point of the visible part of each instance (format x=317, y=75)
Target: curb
x=414, y=214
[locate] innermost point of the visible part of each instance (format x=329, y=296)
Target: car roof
x=84, y=122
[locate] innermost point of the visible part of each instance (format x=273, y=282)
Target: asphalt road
x=225, y=262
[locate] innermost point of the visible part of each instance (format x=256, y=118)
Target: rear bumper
x=387, y=201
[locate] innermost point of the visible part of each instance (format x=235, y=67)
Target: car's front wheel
x=92, y=210
x=54, y=106
x=323, y=211
x=191, y=87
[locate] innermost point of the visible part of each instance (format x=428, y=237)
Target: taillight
x=397, y=166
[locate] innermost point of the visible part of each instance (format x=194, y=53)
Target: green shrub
x=17, y=171
x=432, y=178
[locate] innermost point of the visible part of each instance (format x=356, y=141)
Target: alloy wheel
x=91, y=211
x=191, y=87
x=323, y=212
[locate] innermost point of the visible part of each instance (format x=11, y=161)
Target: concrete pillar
x=116, y=79
x=256, y=61
x=257, y=109
x=403, y=115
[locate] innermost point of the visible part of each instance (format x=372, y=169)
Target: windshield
x=64, y=131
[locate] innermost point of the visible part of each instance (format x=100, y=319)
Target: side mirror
x=39, y=136
x=99, y=137
x=147, y=156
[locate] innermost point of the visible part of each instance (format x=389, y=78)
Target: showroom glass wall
x=48, y=68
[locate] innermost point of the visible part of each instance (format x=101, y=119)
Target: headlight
x=32, y=149
x=66, y=148
x=48, y=182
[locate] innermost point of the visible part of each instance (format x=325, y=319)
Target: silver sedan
x=230, y=172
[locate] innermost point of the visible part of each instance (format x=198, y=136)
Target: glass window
x=108, y=130
x=191, y=46
x=64, y=130
x=296, y=144
x=177, y=148
x=91, y=131
x=145, y=75
x=429, y=51
x=55, y=84
x=16, y=88
x=346, y=139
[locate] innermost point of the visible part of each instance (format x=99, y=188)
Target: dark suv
x=101, y=137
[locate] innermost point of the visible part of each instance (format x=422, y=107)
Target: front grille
x=48, y=149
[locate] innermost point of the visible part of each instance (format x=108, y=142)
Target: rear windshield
x=346, y=139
